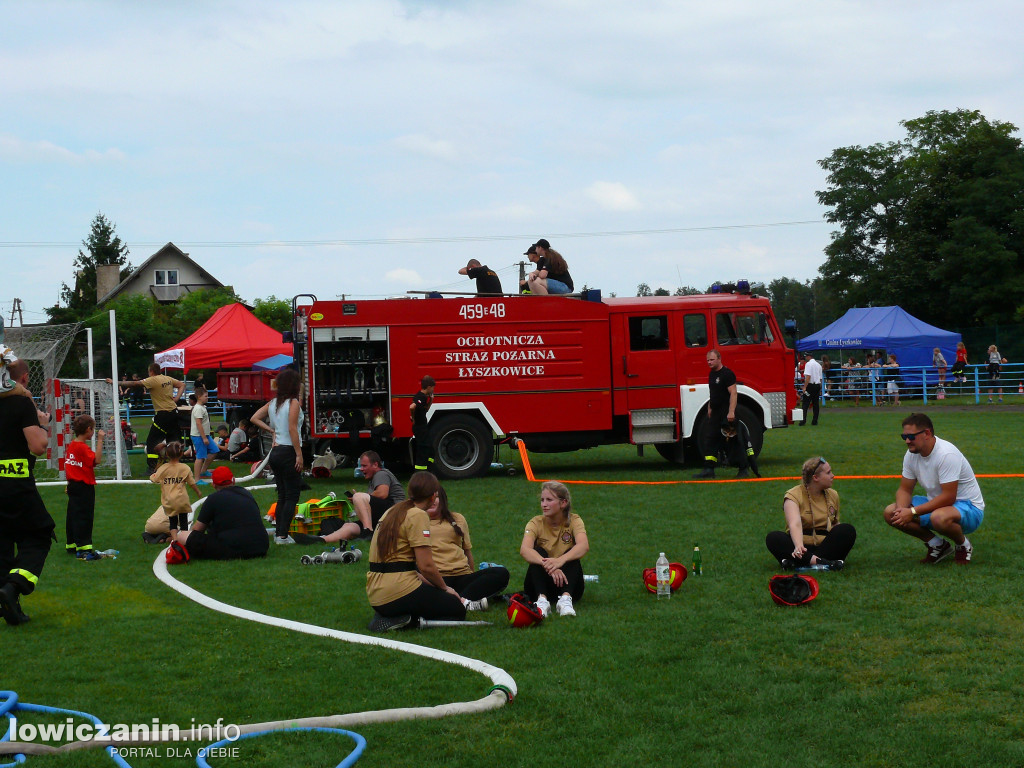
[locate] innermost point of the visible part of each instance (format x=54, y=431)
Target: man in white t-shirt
x=812, y=388
x=953, y=505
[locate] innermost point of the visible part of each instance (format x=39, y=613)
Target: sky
x=372, y=147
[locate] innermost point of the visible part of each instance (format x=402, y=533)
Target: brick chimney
x=107, y=278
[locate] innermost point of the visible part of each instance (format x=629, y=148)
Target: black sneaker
x=708, y=473
x=10, y=606
x=388, y=623
x=155, y=538
x=743, y=473
x=789, y=563
x=365, y=535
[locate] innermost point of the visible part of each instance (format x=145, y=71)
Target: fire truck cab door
x=646, y=365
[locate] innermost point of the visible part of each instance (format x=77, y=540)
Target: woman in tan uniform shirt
x=399, y=556
x=814, y=536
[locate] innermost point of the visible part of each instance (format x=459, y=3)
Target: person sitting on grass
x=453, y=553
x=814, y=534
x=228, y=525
x=403, y=582
x=554, y=543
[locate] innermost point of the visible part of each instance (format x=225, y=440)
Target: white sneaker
x=284, y=540
x=543, y=606
x=564, y=606
x=475, y=605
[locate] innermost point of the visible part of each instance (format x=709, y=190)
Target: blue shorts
x=557, y=286
x=970, y=515
x=204, y=449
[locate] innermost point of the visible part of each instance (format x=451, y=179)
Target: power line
x=421, y=240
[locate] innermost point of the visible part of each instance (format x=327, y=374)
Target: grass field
x=895, y=664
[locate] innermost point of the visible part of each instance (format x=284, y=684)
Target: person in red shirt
x=80, y=469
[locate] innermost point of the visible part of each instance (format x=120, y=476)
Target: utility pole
x=16, y=309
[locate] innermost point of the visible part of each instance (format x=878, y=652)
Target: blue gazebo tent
x=273, y=363
x=883, y=328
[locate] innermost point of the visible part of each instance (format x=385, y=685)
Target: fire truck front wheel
x=462, y=446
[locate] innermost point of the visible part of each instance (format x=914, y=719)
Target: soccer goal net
x=94, y=397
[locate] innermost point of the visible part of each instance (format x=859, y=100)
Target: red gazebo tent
x=232, y=338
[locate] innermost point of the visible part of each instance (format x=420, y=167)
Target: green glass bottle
x=695, y=568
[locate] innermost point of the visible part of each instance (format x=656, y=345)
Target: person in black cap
x=487, y=281
x=552, y=273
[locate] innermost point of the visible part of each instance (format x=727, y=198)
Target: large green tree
x=933, y=222
x=102, y=246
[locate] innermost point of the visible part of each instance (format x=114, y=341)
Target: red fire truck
x=562, y=373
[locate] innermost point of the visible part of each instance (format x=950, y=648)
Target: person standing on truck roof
x=487, y=282
x=721, y=411
x=552, y=273
x=421, y=402
x=164, y=392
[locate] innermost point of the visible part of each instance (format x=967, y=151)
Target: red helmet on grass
x=677, y=574
x=793, y=590
x=523, y=612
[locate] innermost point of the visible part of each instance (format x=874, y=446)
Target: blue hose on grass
x=9, y=704
x=354, y=755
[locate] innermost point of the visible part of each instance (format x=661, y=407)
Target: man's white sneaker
x=475, y=605
x=543, y=606
x=564, y=606
x=284, y=540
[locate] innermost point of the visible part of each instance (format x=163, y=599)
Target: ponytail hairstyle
x=561, y=493
x=446, y=513
x=422, y=487
x=172, y=451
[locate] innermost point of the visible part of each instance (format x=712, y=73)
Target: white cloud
x=419, y=144
x=403, y=276
x=19, y=150
x=613, y=196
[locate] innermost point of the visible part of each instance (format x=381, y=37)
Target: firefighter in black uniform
x=721, y=412
x=424, y=456
x=26, y=528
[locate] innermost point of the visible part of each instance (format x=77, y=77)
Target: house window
x=165, y=277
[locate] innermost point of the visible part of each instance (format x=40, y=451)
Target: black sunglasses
x=912, y=435
x=821, y=461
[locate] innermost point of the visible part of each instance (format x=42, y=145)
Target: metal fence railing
x=924, y=382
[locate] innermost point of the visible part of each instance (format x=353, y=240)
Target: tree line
x=144, y=325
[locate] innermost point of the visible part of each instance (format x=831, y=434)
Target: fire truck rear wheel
x=462, y=446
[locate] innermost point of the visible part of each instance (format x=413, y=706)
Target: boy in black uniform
x=424, y=459
x=26, y=528
x=721, y=412
x=487, y=281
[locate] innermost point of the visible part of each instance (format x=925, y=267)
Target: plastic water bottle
x=489, y=565
x=591, y=578
x=695, y=568
x=815, y=567
x=111, y=553
x=661, y=570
